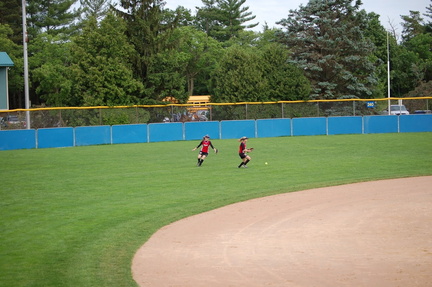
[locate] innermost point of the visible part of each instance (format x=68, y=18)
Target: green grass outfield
x=76, y=216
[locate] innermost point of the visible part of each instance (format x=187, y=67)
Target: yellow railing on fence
x=211, y=104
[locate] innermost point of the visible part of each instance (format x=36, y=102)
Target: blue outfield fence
x=158, y=132
x=17, y=139
x=344, y=125
x=55, y=137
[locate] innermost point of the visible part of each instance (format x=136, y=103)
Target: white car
x=397, y=110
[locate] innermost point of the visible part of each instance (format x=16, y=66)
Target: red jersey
x=205, y=145
x=242, y=147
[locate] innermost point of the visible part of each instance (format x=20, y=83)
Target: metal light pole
x=388, y=73
x=26, y=85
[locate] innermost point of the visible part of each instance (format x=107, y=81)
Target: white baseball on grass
x=266, y=163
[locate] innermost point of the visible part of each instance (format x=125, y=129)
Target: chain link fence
x=95, y=116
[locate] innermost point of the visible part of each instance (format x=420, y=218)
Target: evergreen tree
x=95, y=8
x=101, y=71
x=405, y=71
x=49, y=70
x=428, y=14
x=15, y=73
x=239, y=76
x=224, y=19
x=234, y=16
x=207, y=17
x=412, y=25
x=149, y=32
x=285, y=81
x=11, y=33
x=413, y=66
x=423, y=44
x=181, y=15
x=252, y=74
x=51, y=16
x=377, y=34
x=11, y=15
x=327, y=41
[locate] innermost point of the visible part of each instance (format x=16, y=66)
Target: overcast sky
x=272, y=11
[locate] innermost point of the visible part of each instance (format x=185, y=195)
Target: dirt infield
x=364, y=234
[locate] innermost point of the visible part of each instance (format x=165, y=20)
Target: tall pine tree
x=101, y=70
x=149, y=28
x=412, y=25
x=95, y=8
x=11, y=15
x=224, y=19
x=327, y=41
x=51, y=16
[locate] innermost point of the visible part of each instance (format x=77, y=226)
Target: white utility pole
x=26, y=80
x=388, y=73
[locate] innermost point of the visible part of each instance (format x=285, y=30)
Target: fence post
x=282, y=110
x=354, y=108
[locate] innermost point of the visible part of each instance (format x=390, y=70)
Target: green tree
x=207, y=17
x=11, y=14
x=235, y=15
x=181, y=16
x=327, y=41
x=167, y=76
x=285, y=81
x=199, y=53
x=224, y=19
x=49, y=70
x=405, y=71
x=258, y=74
x=411, y=64
x=423, y=90
x=149, y=28
x=51, y=16
x=411, y=60
x=377, y=34
x=94, y=8
x=428, y=14
x=239, y=76
x=421, y=45
x=412, y=25
x=11, y=40
x=245, y=38
x=15, y=73
x=101, y=71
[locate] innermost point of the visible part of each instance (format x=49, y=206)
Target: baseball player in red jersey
x=205, y=143
x=243, y=152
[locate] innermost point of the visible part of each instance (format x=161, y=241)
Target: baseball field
x=77, y=216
